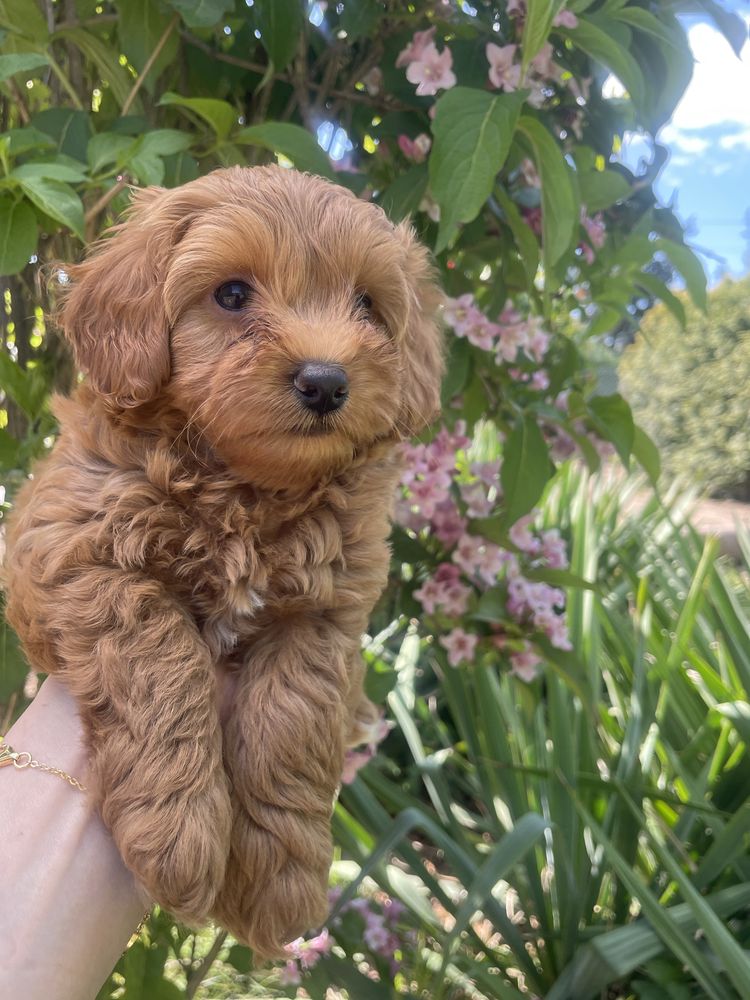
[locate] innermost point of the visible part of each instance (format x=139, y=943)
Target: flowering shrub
x=368, y=930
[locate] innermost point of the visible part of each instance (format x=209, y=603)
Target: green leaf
x=104, y=57
x=601, y=44
x=646, y=454
x=18, y=235
x=203, y=13
x=526, y=468
x=473, y=131
x=23, y=17
x=613, y=420
x=658, y=290
x=401, y=198
x=9, y=449
x=69, y=128
x=457, y=369
x=360, y=17
x=559, y=202
x=523, y=235
x=55, y=171
x=689, y=267
x=13, y=666
x=21, y=140
x=292, y=141
x=731, y=25
x=57, y=200
x=281, y=24
x=241, y=958
x=21, y=62
x=602, y=188
x=107, y=148
x=222, y=117
x=536, y=27
x=140, y=27
x=166, y=141
x=492, y=607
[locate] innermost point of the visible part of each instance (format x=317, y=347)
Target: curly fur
x=195, y=523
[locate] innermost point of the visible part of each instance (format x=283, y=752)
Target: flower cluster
x=441, y=491
x=363, y=924
x=357, y=757
x=511, y=338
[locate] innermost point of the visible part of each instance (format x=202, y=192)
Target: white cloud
x=683, y=141
x=736, y=139
x=720, y=88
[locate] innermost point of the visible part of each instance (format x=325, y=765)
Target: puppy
x=216, y=509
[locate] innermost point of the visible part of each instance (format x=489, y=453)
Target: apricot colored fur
x=194, y=523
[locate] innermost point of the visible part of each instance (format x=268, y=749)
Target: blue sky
x=708, y=173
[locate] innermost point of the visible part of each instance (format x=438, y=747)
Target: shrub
x=688, y=387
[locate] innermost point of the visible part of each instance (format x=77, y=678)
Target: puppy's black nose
x=321, y=387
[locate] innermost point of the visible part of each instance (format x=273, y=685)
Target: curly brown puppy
x=256, y=343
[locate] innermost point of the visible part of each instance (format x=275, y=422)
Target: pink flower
x=447, y=523
x=290, y=975
x=414, y=50
x=554, y=551
x=503, y=73
x=373, y=81
x=376, y=935
x=537, y=342
x=354, y=760
x=542, y=63
x=459, y=645
x=415, y=149
x=520, y=535
x=540, y=380
x=491, y=561
x=524, y=665
x=510, y=339
x=432, y=71
x=530, y=174
x=475, y=497
x=588, y=254
x=486, y=472
x=595, y=229
x=429, y=595
x=565, y=19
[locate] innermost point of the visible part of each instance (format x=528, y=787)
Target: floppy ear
x=422, y=345
x=112, y=310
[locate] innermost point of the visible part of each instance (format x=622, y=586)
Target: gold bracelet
x=24, y=759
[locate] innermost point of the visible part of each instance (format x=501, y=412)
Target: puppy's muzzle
x=320, y=387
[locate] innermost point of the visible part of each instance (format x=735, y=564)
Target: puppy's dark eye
x=233, y=295
x=363, y=303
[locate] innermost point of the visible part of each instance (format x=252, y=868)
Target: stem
x=149, y=63
x=65, y=82
x=199, y=973
x=23, y=111
x=100, y=204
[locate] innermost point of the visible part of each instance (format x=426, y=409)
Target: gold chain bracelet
x=24, y=759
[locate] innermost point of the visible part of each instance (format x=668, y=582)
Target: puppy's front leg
x=144, y=681
x=284, y=747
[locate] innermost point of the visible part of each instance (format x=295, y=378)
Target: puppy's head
x=291, y=324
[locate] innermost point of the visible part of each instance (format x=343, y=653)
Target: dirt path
x=720, y=518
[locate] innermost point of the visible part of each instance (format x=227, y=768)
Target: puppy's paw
x=271, y=912
x=178, y=850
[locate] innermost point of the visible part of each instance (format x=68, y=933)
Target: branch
x=149, y=63
x=93, y=213
x=199, y=973
x=385, y=103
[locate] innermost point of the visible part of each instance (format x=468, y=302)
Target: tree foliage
x=686, y=386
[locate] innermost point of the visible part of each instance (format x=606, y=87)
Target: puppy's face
x=291, y=324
